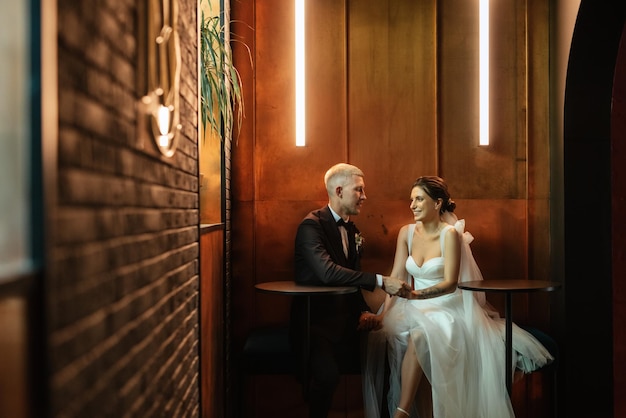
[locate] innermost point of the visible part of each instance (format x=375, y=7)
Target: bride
x=445, y=347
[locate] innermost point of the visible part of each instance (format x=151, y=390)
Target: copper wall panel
x=379, y=222
x=392, y=98
x=462, y=161
x=539, y=152
x=539, y=264
x=500, y=243
x=244, y=271
x=539, y=157
x=15, y=363
x=212, y=322
x=284, y=171
x=277, y=222
x=243, y=29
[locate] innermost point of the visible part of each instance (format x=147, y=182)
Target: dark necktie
x=345, y=224
x=344, y=227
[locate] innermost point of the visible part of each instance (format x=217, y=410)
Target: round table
x=290, y=287
x=509, y=287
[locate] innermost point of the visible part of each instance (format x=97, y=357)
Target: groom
x=327, y=254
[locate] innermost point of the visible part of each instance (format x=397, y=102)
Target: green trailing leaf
x=221, y=92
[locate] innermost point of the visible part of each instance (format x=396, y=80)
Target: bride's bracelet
x=403, y=411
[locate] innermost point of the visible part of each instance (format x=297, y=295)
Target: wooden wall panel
x=242, y=178
x=280, y=166
x=392, y=98
x=379, y=223
x=539, y=264
x=244, y=270
x=499, y=230
x=277, y=222
x=326, y=88
x=212, y=322
x=463, y=163
x=539, y=157
x=458, y=96
x=500, y=243
x=15, y=362
x=274, y=102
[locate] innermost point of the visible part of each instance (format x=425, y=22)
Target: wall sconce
x=300, y=76
x=484, y=72
x=161, y=61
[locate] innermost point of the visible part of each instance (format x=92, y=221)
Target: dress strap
x=409, y=240
x=442, y=237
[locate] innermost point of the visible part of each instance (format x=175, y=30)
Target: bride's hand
x=395, y=286
x=428, y=292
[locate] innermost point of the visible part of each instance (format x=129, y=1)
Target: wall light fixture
x=300, y=75
x=161, y=65
x=484, y=72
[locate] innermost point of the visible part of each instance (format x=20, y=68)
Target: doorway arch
x=589, y=188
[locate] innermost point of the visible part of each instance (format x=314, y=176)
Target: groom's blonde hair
x=339, y=175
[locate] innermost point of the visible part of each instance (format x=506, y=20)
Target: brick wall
x=122, y=272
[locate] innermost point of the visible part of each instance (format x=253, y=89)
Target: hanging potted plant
x=221, y=93
x=221, y=106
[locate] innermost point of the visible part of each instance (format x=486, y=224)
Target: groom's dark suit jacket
x=320, y=260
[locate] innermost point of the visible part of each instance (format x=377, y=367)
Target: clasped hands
x=393, y=286
x=397, y=287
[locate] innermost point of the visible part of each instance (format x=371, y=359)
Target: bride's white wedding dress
x=459, y=342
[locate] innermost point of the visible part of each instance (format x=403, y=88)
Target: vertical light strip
x=300, y=96
x=484, y=71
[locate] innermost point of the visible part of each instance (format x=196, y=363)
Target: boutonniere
x=359, y=240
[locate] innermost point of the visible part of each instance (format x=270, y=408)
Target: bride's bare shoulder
x=404, y=232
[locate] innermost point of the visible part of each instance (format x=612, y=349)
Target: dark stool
x=268, y=351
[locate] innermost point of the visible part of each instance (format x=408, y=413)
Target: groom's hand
x=396, y=287
x=370, y=322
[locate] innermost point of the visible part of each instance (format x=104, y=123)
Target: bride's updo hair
x=436, y=188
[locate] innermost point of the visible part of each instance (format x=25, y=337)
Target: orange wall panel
x=212, y=322
x=392, y=104
x=286, y=172
x=463, y=163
